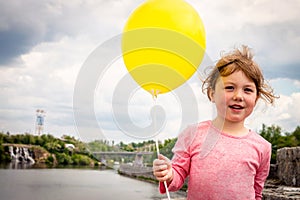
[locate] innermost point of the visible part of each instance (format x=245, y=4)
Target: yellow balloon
x=163, y=44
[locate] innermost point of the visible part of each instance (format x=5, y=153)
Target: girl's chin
x=235, y=120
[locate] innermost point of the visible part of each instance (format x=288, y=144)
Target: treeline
x=101, y=145
x=148, y=145
x=60, y=153
x=105, y=145
x=81, y=154
x=278, y=139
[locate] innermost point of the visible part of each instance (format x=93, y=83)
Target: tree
x=276, y=138
x=53, y=146
x=296, y=134
x=271, y=134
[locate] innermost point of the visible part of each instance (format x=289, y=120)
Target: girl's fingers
x=161, y=176
x=159, y=166
x=162, y=168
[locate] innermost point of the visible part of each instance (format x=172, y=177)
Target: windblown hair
x=239, y=60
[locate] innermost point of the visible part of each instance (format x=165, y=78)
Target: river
x=75, y=184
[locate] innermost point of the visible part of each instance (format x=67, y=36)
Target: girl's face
x=235, y=97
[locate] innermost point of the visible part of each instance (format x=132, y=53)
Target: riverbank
x=273, y=190
x=146, y=174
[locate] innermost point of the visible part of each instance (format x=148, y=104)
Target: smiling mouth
x=236, y=107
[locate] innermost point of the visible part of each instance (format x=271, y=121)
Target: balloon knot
x=154, y=93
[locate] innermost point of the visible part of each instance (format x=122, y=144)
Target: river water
x=75, y=184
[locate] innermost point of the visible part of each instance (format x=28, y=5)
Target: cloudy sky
x=45, y=45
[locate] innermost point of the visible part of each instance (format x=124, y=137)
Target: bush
x=81, y=160
x=64, y=159
x=50, y=160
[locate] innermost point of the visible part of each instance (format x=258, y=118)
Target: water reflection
x=75, y=184
x=18, y=165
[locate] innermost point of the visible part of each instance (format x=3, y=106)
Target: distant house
x=70, y=146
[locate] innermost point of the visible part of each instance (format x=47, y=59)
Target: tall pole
x=39, y=127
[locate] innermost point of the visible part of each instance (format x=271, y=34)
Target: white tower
x=39, y=125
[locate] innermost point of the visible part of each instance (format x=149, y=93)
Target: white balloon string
x=154, y=95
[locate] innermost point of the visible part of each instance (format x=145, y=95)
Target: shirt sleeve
x=262, y=173
x=181, y=160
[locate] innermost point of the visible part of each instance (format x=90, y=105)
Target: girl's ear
x=210, y=94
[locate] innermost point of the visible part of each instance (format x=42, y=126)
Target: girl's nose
x=238, y=96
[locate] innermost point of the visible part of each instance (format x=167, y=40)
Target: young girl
x=222, y=158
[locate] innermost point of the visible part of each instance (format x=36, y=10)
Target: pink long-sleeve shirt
x=219, y=166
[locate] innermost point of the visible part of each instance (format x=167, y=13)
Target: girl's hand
x=162, y=169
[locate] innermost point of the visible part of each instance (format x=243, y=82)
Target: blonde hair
x=239, y=60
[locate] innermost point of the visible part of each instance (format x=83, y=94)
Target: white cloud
x=271, y=28
x=284, y=113
x=45, y=80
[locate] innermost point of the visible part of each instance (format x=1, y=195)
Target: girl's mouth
x=236, y=107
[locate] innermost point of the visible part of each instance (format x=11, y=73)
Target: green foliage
x=141, y=146
x=50, y=160
x=166, y=148
x=64, y=159
x=53, y=146
x=56, y=146
x=81, y=155
x=100, y=145
x=81, y=159
x=274, y=135
x=4, y=157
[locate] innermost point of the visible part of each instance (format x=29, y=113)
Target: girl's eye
x=230, y=88
x=249, y=90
